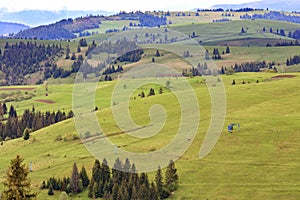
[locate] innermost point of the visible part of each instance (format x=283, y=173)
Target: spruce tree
x=26, y=134
x=17, y=185
x=75, y=180
x=84, y=177
x=227, y=50
x=159, y=182
x=50, y=191
x=157, y=54
x=171, y=177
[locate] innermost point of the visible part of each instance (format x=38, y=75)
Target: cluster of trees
x=200, y=70
x=83, y=42
x=131, y=56
x=74, y=184
x=64, y=29
x=112, y=69
x=284, y=44
x=21, y=59
x=51, y=70
x=273, y=15
x=191, y=72
x=295, y=34
x=247, y=67
x=87, y=33
x=227, y=14
x=282, y=32
x=231, y=10
x=151, y=92
x=121, y=182
x=293, y=61
x=152, y=21
x=31, y=120
x=120, y=47
x=186, y=54
x=216, y=53
x=221, y=20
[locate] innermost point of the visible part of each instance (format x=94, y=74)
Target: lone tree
x=227, y=50
x=157, y=54
x=17, y=184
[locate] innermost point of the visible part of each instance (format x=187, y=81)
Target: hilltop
x=11, y=28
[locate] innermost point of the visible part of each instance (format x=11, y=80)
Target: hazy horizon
x=111, y=6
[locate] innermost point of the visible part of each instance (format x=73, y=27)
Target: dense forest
x=21, y=59
x=64, y=29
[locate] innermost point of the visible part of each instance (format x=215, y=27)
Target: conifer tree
x=171, y=177
x=75, y=182
x=50, y=191
x=17, y=185
x=159, y=182
x=84, y=177
x=157, y=54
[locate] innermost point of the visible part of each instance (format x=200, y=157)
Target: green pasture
x=259, y=162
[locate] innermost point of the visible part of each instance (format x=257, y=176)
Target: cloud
x=109, y=5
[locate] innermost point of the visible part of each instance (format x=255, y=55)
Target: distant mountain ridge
x=7, y=28
x=41, y=17
x=279, y=5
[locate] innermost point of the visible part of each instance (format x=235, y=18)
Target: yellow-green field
x=259, y=162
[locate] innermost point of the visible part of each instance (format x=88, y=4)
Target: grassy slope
x=215, y=33
x=259, y=162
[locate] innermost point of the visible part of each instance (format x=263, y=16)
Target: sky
x=111, y=5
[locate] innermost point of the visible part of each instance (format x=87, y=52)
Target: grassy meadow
x=258, y=162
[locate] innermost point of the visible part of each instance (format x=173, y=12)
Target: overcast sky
x=112, y=5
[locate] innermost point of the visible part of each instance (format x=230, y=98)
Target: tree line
x=273, y=15
x=247, y=67
x=120, y=182
x=31, y=120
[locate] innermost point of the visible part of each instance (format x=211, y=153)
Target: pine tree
x=206, y=54
x=50, y=191
x=171, y=177
x=160, y=90
x=75, y=180
x=157, y=54
x=26, y=134
x=159, y=182
x=17, y=185
x=4, y=109
x=106, y=171
x=73, y=57
x=78, y=49
x=153, y=193
x=233, y=82
x=151, y=92
x=227, y=50
x=84, y=177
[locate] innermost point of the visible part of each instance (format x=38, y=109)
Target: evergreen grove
x=120, y=182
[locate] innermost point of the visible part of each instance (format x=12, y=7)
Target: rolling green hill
x=258, y=162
